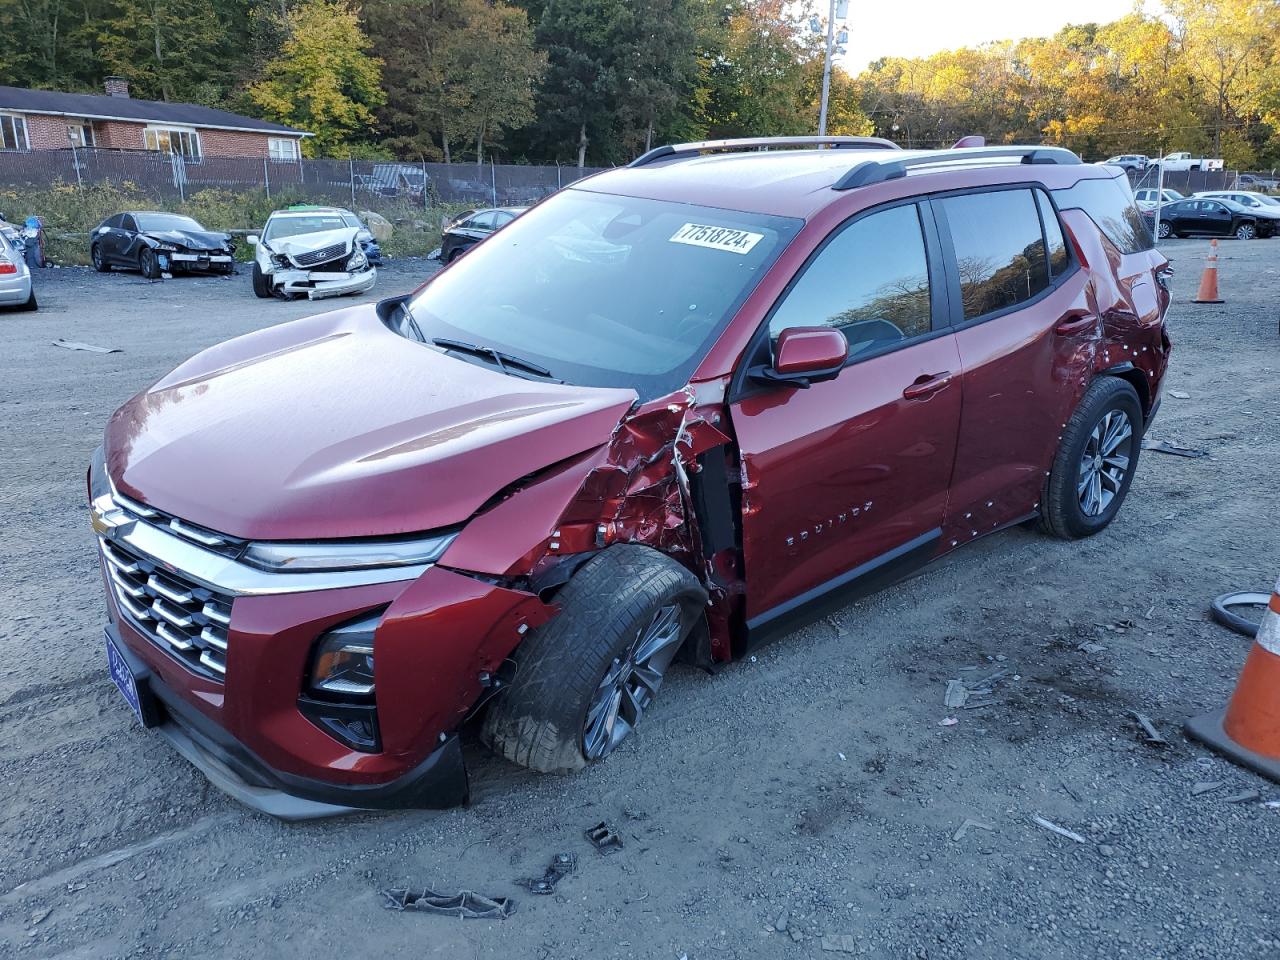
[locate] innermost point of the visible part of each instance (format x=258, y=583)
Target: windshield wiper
x=502, y=360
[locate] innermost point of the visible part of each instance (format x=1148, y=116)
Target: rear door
x=1024, y=332
x=847, y=480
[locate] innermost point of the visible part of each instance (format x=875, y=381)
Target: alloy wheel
x=1245, y=231
x=1165, y=229
x=631, y=683
x=1105, y=462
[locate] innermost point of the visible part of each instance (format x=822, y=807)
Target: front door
x=848, y=479
x=1217, y=219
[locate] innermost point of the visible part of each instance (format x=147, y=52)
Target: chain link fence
x=365, y=183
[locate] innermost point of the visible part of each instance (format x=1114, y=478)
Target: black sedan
x=470, y=228
x=1200, y=217
x=159, y=243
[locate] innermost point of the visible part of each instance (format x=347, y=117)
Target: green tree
x=324, y=79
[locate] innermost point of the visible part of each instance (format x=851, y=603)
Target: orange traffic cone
x=1208, y=292
x=1248, y=731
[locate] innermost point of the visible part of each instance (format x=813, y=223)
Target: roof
x=100, y=107
x=796, y=183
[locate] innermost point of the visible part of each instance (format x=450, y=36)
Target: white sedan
x=310, y=252
x=15, y=278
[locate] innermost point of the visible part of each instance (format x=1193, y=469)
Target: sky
x=922, y=27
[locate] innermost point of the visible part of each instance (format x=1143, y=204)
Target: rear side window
x=871, y=281
x=1109, y=203
x=1000, y=251
x=1059, y=259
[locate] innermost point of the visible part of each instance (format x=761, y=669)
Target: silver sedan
x=15, y=278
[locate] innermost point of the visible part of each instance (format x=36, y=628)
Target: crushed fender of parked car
x=666, y=415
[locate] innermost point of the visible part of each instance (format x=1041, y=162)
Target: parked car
x=1254, y=182
x=15, y=277
x=1196, y=217
x=1130, y=161
x=404, y=179
x=156, y=243
x=1245, y=198
x=1181, y=161
x=665, y=414
x=368, y=242
x=466, y=231
x=369, y=184
x=1147, y=198
x=310, y=252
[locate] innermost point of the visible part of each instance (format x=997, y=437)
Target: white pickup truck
x=1185, y=161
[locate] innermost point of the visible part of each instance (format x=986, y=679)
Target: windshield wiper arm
x=497, y=356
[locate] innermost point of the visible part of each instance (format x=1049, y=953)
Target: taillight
x=8, y=267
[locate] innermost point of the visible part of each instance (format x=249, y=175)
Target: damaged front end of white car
x=313, y=265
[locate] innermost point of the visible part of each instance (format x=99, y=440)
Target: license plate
x=122, y=676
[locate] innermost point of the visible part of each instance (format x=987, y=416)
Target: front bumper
x=319, y=284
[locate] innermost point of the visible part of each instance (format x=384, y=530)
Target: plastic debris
x=465, y=904
x=562, y=864
x=1152, y=734
x=1205, y=786
x=956, y=695
x=1060, y=831
x=1245, y=796
x=1179, y=395
x=89, y=347
x=604, y=839
x=839, y=943
x=1160, y=446
x=948, y=722
x=971, y=825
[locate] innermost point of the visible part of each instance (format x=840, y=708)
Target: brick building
x=49, y=120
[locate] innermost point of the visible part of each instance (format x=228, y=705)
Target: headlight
x=280, y=260
x=343, y=663
x=358, y=260
x=166, y=247
x=348, y=555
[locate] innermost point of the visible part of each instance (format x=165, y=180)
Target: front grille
x=186, y=620
x=314, y=257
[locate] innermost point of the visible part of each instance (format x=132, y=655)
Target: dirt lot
x=804, y=802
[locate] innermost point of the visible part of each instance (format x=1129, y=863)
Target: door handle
x=926, y=384
x=1074, y=321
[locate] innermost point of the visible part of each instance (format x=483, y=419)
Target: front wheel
x=1246, y=231
x=584, y=680
x=261, y=282
x=148, y=265
x=1094, y=465
x=1164, y=230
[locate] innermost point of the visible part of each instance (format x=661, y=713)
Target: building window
x=80, y=134
x=185, y=143
x=282, y=148
x=13, y=133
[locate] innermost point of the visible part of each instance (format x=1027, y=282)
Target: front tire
x=1246, y=231
x=1095, y=462
x=148, y=264
x=261, y=283
x=584, y=680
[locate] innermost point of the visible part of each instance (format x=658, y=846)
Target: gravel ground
x=806, y=802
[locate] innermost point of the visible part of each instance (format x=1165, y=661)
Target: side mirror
x=806, y=355
x=252, y=239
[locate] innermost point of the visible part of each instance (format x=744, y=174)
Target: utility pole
x=826, y=67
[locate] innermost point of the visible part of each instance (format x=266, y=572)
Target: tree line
x=598, y=81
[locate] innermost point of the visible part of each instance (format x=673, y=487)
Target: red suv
x=667, y=413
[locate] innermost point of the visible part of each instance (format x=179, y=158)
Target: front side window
x=185, y=143
x=999, y=249
x=870, y=281
x=282, y=148
x=605, y=290
x=13, y=132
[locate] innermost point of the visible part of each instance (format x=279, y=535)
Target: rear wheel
x=585, y=680
x=31, y=302
x=261, y=282
x=1094, y=465
x=99, y=260
x=148, y=265
x=1246, y=231
x=1164, y=229
x=455, y=253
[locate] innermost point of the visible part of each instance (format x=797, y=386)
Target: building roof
x=97, y=107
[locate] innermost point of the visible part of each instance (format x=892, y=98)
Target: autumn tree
x=324, y=81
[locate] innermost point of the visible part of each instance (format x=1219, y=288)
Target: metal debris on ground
x=1245, y=796
x=89, y=347
x=1160, y=446
x=971, y=824
x=604, y=839
x=1206, y=786
x=1148, y=728
x=562, y=864
x=839, y=943
x=957, y=693
x=465, y=905
x=1060, y=831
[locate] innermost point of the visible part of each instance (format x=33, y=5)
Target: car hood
x=334, y=426
x=191, y=239
x=309, y=242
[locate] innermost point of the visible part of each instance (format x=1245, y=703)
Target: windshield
x=280, y=227
x=604, y=290
x=153, y=222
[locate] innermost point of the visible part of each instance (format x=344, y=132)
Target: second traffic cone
x=1248, y=731
x=1208, y=292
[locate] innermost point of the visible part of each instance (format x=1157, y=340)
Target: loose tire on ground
x=261, y=283
x=539, y=721
x=1061, y=511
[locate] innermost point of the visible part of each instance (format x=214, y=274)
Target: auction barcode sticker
x=729, y=239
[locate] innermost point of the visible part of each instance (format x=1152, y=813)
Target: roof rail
x=683, y=150
x=876, y=171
